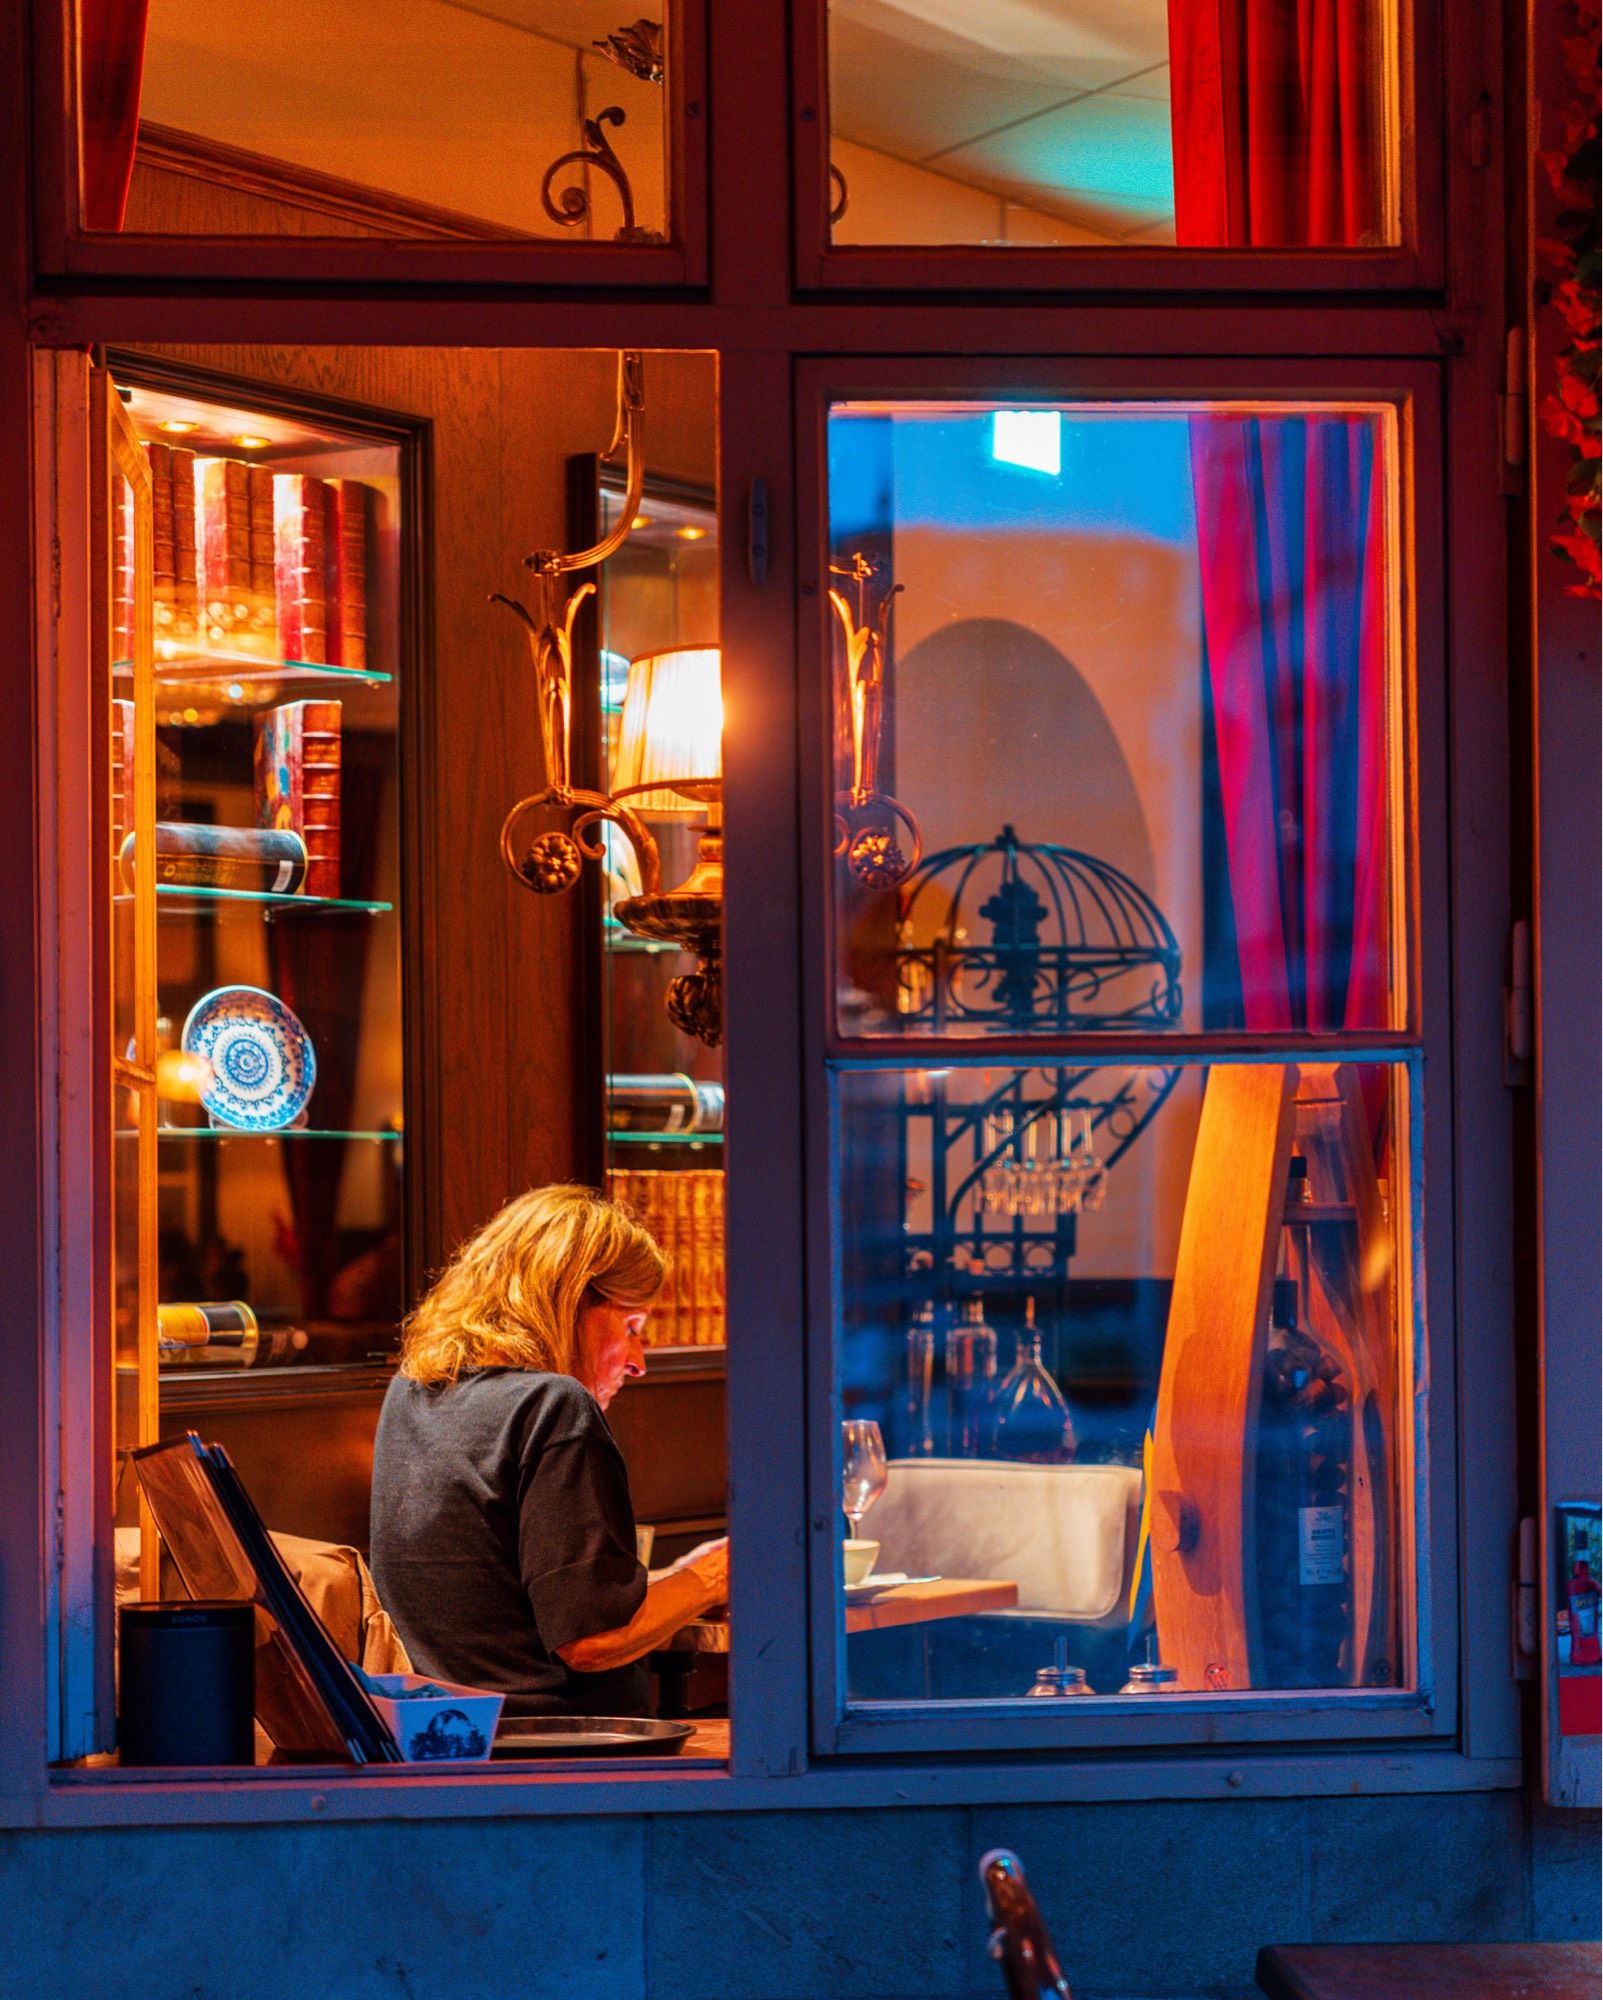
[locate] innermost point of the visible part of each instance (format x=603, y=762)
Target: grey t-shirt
x=502, y=1529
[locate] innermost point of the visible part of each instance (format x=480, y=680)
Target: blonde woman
x=503, y=1533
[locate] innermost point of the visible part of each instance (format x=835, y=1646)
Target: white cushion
x=1065, y=1534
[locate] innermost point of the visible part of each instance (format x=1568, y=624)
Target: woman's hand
x=670, y=1601
x=711, y=1565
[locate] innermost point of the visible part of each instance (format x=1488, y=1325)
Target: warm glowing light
x=641, y=521
x=251, y=443
x=689, y=534
x=178, y=425
x=182, y=1077
x=672, y=728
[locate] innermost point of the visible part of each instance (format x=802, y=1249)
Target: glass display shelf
x=245, y=680
x=278, y=1132
x=179, y=899
x=616, y=938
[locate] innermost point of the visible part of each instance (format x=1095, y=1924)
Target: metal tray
x=589, y=1736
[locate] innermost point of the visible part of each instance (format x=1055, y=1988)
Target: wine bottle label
x=1321, y=1544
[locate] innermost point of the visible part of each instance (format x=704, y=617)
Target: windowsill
x=97, y=1796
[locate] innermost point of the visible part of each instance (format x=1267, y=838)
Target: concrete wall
x=1145, y=1900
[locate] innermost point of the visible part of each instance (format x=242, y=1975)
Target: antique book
x=350, y=528
x=196, y=856
x=301, y=507
x=223, y=559
x=298, y=783
x=175, y=609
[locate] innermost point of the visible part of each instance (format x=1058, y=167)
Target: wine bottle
x=1032, y=1422
x=970, y=1382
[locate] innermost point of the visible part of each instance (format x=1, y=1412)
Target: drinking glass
x=863, y=1473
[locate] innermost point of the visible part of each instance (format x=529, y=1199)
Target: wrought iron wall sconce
x=868, y=821
x=668, y=755
x=637, y=49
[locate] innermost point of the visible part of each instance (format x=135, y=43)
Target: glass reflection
x=423, y=119
x=1084, y=123
x=1160, y=1434
x=1114, y=731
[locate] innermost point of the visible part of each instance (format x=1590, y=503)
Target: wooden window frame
x=1416, y=769
x=1262, y=331
x=64, y=249
x=1415, y=263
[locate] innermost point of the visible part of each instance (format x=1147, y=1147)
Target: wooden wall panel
x=499, y=1025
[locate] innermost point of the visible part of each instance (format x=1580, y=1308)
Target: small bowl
x=858, y=1559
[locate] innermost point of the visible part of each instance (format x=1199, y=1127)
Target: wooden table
x=901, y=1604
x=1430, y=1971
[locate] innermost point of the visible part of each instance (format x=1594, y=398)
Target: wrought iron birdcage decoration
x=1073, y=943
x=1017, y=937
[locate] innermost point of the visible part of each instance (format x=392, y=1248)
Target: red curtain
x=1274, y=109
x=1291, y=537
x=111, y=63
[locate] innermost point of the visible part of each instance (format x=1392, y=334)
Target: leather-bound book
x=223, y=561
x=300, y=543
x=263, y=590
x=350, y=534
x=298, y=783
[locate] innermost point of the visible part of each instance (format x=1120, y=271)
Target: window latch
x=1517, y=1048
x=1512, y=412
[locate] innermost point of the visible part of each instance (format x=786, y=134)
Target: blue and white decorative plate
x=259, y=1058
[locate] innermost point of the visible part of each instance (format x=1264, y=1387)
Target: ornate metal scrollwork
x=572, y=206
x=550, y=862
x=868, y=821
x=638, y=49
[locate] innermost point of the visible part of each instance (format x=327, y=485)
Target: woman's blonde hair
x=511, y=1296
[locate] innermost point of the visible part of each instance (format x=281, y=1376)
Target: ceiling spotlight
x=251, y=443
x=178, y=426
x=689, y=534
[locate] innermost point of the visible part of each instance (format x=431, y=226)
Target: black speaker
x=187, y=1683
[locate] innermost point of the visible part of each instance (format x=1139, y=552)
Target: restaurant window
x=1125, y=1079
x=299, y=838
x=1077, y=125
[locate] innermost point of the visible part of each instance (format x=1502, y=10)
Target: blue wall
x=1145, y=1900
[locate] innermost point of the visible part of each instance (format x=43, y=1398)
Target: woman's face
x=611, y=1347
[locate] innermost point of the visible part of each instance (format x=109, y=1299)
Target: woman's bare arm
x=669, y=1602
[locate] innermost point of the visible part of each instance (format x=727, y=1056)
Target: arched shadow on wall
x=994, y=724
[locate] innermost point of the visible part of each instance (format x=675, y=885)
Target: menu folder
x=308, y=1697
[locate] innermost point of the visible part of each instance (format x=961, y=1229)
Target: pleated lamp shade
x=672, y=731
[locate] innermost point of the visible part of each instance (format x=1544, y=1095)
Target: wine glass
x=863, y=1473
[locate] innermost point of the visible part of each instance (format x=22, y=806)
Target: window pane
x=1132, y=1341
x=1127, y=676
x=415, y=119
x=277, y=1180
x=1074, y=122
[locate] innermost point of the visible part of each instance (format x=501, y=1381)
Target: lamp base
x=690, y=916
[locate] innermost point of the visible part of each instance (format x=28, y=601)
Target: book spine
x=350, y=534
x=298, y=783
x=223, y=556
x=300, y=566
x=122, y=578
